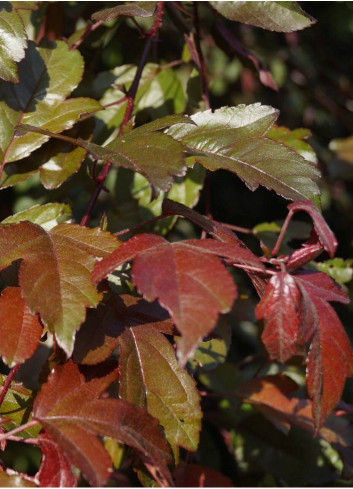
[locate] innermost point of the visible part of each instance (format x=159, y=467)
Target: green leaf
x=13, y=40
x=47, y=215
x=55, y=272
x=147, y=151
x=343, y=147
x=47, y=76
x=295, y=140
x=212, y=352
x=135, y=9
x=235, y=139
x=337, y=268
x=270, y=15
x=145, y=357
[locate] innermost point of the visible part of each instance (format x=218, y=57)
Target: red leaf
x=279, y=308
x=55, y=469
x=198, y=476
x=186, y=279
x=20, y=330
x=330, y=359
x=326, y=236
x=69, y=410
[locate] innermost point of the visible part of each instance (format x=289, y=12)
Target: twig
x=204, y=82
x=7, y=382
x=142, y=224
x=89, y=28
x=10, y=434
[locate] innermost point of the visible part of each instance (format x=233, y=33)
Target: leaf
x=146, y=150
x=14, y=479
x=20, y=330
x=279, y=308
x=343, y=147
x=13, y=40
x=136, y=9
x=234, y=139
x=55, y=272
x=270, y=15
x=55, y=469
x=47, y=215
x=70, y=410
x=213, y=351
x=295, y=140
x=339, y=269
x=198, y=476
x=47, y=77
x=330, y=358
x=100, y=334
x=146, y=356
x=193, y=290
x=325, y=235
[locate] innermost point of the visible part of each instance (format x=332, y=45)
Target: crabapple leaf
x=193, y=475
x=47, y=215
x=70, y=410
x=55, y=272
x=330, y=358
x=270, y=15
x=234, y=139
x=135, y=9
x=55, y=469
x=194, y=290
x=279, y=309
x=145, y=356
x=20, y=330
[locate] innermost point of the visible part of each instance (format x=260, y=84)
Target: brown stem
x=131, y=95
x=7, y=382
x=204, y=82
x=89, y=28
x=25, y=426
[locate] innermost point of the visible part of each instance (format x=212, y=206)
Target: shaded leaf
x=330, y=358
x=99, y=335
x=60, y=167
x=47, y=76
x=234, y=139
x=70, y=410
x=198, y=476
x=47, y=215
x=146, y=356
x=279, y=308
x=213, y=351
x=55, y=272
x=55, y=469
x=135, y=9
x=343, y=147
x=193, y=290
x=146, y=150
x=270, y=15
x=20, y=330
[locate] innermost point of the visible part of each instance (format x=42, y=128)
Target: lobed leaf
x=146, y=356
x=193, y=290
x=70, y=410
x=20, y=330
x=270, y=15
x=55, y=272
x=234, y=139
x=279, y=308
x=55, y=469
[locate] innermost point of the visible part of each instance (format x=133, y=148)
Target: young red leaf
x=55, y=274
x=99, y=335
x=70, y=410
x=326, y=236
x=279, y=308
x=194, y=290
x=146, y=356
x=55, y=469
x=20, y=330
x=330, y=358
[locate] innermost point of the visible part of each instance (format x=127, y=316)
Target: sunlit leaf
x=339, y=269
x=55, y=271
x=70, y=410
x=234, y=139
x=343, y=147
x=47, y=215
x=11, y=479
x=146, y=356
x=270, y=15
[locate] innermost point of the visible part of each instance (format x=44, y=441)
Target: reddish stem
x=7, y=382
x=142, y=224
x=281, y=234
x=25, y=426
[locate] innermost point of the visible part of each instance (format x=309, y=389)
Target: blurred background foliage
x=312, y=70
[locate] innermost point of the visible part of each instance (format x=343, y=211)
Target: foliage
x=137, y=349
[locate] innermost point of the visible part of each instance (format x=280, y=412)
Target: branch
x=7, y=382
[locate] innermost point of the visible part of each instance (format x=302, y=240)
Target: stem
x=25, y=426
x=8, y=381
x=89, y=28
x=281, y=234
x=142, y=224
x=129, y=108
x=204, y=83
